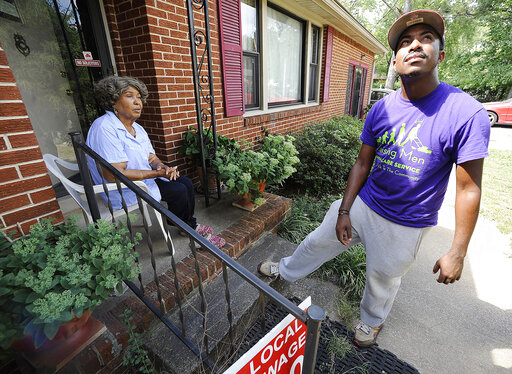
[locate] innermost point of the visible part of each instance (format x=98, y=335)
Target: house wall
x=26, y=193
x=151, y=42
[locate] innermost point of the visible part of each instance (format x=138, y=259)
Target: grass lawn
x=497, y=190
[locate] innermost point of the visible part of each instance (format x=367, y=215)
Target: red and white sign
x=280, y=351
x=87, y=55
x=89, y=63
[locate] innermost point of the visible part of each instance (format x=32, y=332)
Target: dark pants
x=179, y=196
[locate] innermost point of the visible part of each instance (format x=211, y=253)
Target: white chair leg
x=167, y=235
x=146, y=213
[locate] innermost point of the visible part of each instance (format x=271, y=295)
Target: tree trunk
x=392, y=75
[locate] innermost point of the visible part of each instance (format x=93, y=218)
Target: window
x=313, y=62
x=251, y=55
x=270, y=57
x=355, y=89
x=275, y=74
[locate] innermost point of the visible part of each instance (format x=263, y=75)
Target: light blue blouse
x=109, y=138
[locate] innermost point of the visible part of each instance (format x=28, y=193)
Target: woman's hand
x=168, y=172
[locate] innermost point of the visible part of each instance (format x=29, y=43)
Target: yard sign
x=280, y=351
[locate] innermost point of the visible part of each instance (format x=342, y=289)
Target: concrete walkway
x=464, y=327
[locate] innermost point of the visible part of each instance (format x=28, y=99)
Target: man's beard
x=410, y=75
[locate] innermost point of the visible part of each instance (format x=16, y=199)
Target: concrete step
x=175, y=356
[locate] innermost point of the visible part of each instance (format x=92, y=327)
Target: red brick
x=24, y=185
x=25, y=227
x=34, y=168
x=10, y=93
x=6, y=75
x=3, y=59
x=14, y=203
x=15, y=125
x=23, y=140
x=30, y=212
x=12, y=109
x=8, y=174
x=44, y=195
x=17, y=157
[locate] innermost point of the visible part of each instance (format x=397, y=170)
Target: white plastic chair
x=77, y=191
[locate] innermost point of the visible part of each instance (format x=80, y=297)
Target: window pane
x=250, y=81
x=356, y=92
x=349, y=89
x=315, y=37
x=249, y=26
x=312, y=82
x=284, y=60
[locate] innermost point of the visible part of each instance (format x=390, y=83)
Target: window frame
x=349, y=97
x=257, y=58
x=305, y=74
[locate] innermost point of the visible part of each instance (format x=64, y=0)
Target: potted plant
x=191, y=148
x=245, y=171
x=58, y=274
x=279, y=155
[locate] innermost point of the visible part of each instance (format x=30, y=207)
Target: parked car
x=499, y=112
x=377, y=94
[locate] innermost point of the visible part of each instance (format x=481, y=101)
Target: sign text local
x=280, y=351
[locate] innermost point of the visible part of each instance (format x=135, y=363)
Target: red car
x=499, y=112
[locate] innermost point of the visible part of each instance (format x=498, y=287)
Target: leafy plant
x=136, y=356
x=191, y=146
x=242, y=170
x=327, y=152
x=279, y=155
x=58, y=272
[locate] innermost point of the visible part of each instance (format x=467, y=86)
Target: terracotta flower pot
x=261, y=186
x=64, y=332
x=245, y=202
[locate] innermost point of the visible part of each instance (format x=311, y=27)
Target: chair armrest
x=98, y=188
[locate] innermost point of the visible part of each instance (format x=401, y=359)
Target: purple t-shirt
x=417, y=142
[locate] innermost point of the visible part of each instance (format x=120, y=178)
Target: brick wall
x=151, y=41
x=26, y=193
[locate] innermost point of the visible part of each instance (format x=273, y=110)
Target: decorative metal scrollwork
x=200, y=51
x=21, y=44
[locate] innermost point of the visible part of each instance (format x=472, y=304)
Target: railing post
x=83, y=167
x=316, y=315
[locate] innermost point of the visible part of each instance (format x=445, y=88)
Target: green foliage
x=348, y=270
x=191, y=146
x=58, y=272
x=327, y=152
x=136, y=356
x=242, y=170
x=306, y=215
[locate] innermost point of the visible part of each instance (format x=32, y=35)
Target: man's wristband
x=343, y=212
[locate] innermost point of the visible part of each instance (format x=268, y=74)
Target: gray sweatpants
x=390, y=251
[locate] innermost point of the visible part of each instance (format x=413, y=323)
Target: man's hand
x=451, y=265
x=344, y=229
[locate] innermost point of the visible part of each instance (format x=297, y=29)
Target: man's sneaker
x=269, y=268
x=365, y=335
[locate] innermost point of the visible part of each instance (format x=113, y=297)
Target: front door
x=56, y=49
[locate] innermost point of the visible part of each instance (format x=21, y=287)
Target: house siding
x=26, y=193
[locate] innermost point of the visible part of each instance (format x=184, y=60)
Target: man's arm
x=356, y=179
x=467, y=205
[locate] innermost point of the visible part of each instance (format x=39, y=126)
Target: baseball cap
x=425, y=16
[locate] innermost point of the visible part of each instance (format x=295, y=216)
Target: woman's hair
x=109, y=89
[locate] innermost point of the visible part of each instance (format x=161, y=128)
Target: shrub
x=327, y=152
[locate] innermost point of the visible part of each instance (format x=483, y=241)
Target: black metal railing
x=313, y=317
x=201, y=55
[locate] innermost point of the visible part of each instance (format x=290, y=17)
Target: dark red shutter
x=327, y=63
x=232, y=56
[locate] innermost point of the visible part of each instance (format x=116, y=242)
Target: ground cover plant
x=497, y=190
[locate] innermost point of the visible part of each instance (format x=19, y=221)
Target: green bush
x=327, y=152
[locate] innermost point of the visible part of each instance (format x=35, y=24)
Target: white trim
x=107, y=35
x=7, y=83
x=19, y=149
x=254, y=113
x=13, y=117
x=11, y=101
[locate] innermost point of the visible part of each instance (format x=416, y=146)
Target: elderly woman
x=122, y=142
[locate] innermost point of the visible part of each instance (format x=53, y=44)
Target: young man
x=414, y=136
